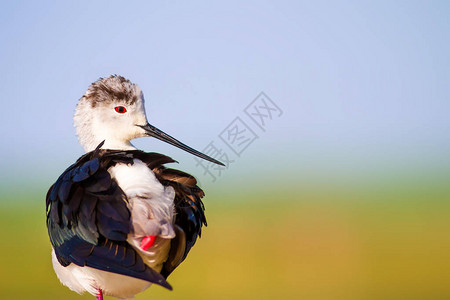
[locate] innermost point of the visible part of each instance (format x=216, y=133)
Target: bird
x=118, y=219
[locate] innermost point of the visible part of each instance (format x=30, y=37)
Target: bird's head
x=112, y=110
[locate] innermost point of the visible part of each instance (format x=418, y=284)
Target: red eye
x=120, y=109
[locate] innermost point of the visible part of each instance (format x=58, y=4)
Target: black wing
x=88, y=219
x=190, y=216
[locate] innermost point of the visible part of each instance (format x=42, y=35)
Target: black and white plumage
x=102, y=209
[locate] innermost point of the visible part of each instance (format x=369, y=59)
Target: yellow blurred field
x=390, y=244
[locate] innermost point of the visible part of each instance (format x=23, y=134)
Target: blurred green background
x=388, y=240
x=346, y=195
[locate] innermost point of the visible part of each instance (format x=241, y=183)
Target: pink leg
x=147, y=242
x=99, y=294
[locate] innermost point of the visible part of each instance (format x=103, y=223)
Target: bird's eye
x=120, y=109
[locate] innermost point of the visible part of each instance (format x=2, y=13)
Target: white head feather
x=96, y=118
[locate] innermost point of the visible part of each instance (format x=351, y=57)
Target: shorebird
x=118, y=220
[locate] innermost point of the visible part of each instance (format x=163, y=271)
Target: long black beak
x=156, y=133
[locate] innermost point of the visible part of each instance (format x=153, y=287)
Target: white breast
x=152, y=210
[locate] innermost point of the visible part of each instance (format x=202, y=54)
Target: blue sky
x=361, y=84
